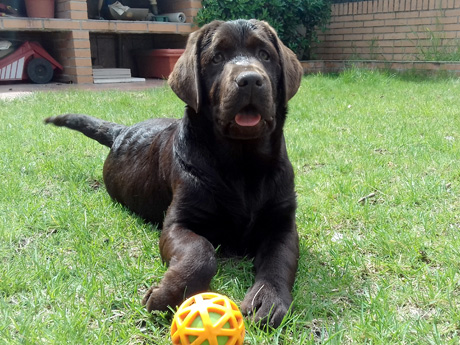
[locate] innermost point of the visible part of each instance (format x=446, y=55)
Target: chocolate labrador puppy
x=220, y=176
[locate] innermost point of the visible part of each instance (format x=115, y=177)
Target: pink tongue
x=245, y=120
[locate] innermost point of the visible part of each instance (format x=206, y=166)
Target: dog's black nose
x=251, y=79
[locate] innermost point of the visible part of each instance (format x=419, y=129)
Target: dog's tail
x=103, y=131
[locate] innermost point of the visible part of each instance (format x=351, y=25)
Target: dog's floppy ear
x=291, y=68
x=185, y=77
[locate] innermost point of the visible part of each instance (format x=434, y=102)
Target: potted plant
x=40, y=8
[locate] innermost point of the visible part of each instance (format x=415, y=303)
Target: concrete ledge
x=420, y=67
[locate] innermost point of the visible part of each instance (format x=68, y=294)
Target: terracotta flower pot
x=40, y=8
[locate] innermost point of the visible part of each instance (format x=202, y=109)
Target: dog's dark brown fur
x=221, y=174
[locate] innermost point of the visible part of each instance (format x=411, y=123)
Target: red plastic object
x=14, y=65
x=157, y=63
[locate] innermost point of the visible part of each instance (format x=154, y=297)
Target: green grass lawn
x=384, y=270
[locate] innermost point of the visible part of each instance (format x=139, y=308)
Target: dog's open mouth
x=248, y=117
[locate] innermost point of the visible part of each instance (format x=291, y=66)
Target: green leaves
x=295, y=21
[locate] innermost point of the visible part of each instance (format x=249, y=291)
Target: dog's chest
x=231, y=217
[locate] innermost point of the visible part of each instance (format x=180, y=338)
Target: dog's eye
x=264, y=55
x=218, y=58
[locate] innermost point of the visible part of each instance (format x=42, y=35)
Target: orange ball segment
x=208, y=319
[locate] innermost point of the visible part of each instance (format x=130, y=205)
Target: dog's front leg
x=269, y=299
x=192, y=264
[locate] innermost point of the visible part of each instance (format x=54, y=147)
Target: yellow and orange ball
x=208, y=319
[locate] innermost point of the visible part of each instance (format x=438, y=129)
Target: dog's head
x=241, y=72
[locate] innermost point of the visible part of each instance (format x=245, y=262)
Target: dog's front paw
x=265, y=304
x=158, y=298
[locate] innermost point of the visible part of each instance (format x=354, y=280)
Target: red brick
x=80, y=34
x=404, y=28
x=401, y=42
x=419, y=21
x=341, y=44
x=375, y=23
x=83, y=53
x=383, y=43
x=95, y=25
x=362, y=30
x=353, y=24
x=391, y=6
x=394, y=36
x=361, y=44
x=395, y=22
x=80, y=62
x=414, y=14
x=78, y=5
x=335, y=25
x=385, y=6
x=379, y=16
x=373, y=36
x=448, y=20
x=402, y=57
x=336, y=50
x=81, y=70
x=350, y=50
x=22, y=24
x=186, y=28
x=452, y=66
x=412, y=36
x=335, y=37
x=363, y=17
x=365, y=7
x=79, y=15
x=407, y=8
x=404, y=50
x=451, y=27
x=334, y=11
x=346, y=18
x=62, y=24
x=131, y=26
x=384, y=29
x=372, y=6
x=84, y=79
x=430, y=13
x=450, y=34
x=71, y=6
x=343, y=31
x=387, y=50
x=353, y=37
x=454, y=12
x=195, y=4
x=162, y=27
x=76, y=53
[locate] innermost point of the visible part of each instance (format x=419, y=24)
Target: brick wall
x=72, y=47
x=392, y=30
x=73, y=9
x=74, y=53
